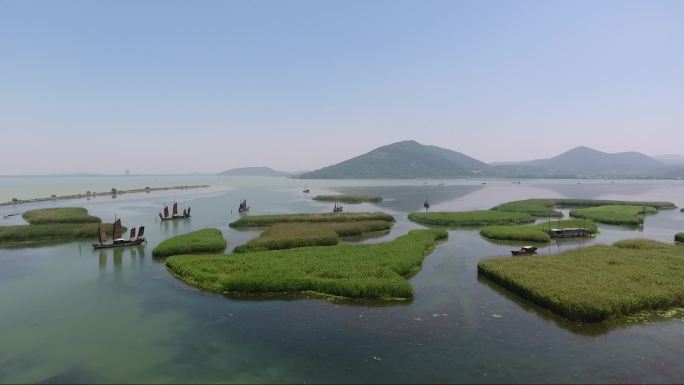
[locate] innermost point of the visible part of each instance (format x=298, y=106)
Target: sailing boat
x=306, y=190
x=117, y=240
x=337, y=208
x=243, y=207
x=175, y=215
x=426, y=204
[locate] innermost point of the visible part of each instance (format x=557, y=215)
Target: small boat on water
x=243, y=207
x=525, y=250
x=306, y=190
x=174, y=215
x=426, y=204
x=337, y=208
x=117, y=240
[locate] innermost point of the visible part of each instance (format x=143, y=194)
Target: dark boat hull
x=119, y=244
x=175, y=217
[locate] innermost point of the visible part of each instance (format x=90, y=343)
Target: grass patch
x=289, y=235
x=348, y=198
x=615, y=214
x=200, y=241
x=59, y=215
x=355, y=271
x=268, y=220
x=51, y=232
x=544, y=207
x=679, y=237
x=598, y=282
x=470, y=218
x=534, y=233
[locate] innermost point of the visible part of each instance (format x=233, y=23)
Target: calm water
x=71, y=314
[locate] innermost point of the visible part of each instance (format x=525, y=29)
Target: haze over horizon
x=176, y=87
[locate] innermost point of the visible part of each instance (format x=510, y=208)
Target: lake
x=69, y=313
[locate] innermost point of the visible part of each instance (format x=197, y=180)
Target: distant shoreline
x=112, y=192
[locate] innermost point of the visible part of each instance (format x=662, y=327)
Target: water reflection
x=411, y=198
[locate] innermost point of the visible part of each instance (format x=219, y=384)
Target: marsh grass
x=615, y=214
x=59, y=215
x=348, y=198
x=50, y=232
x=470, y=218
x=534, y=233
x=544, y=207
x=598, y=282
x=196, y=242
x=268, y=220
x=354, y=271
x=289, y=235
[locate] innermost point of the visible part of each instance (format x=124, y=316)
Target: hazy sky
x=182, y=86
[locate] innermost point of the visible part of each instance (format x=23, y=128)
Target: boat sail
x=243, y=207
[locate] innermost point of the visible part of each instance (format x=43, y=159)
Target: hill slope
x=407, y=159
x=253, y=171
x=584, y=161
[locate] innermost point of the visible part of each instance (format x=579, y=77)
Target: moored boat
x=174, y=215
x=337, y=208
x=117, y=240
x=243, y=207
x=525, y=250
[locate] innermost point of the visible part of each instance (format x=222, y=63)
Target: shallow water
x=72, y=314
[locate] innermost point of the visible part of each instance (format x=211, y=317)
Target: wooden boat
x=525, y=250
x=337, y=208
x=243, y=207
x=174, y=215
x=117, y=240
x=570, y=232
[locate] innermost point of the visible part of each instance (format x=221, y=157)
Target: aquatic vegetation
x=51, y=232
x=59, y=215
x=470, y=218
x=348, y=198
x=355, y=271
x=268, y=220
x=598, y=282
x=679, y=237
x=615, y=214
x=289, y=235
x=200, y=241
x=544, y=207
x=534, y=233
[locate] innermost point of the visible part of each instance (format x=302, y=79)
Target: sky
x=204, y=86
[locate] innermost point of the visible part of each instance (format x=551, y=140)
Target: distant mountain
x=672, y=159
x=407, y=159
x=587, y=162
x=253, y=171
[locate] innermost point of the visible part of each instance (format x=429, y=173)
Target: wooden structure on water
x=525, y=250
x=570, y=232
x=117, y=240
x=174, y=215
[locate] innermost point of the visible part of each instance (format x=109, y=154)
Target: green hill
x=407, y=159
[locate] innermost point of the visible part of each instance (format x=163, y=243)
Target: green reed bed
x=679, y=237
x=348, y=198
x=615, y=214
x=598, y=282
x=51, y=232
x=356, y=271
x=534, y=233
x=289, y=235
x=196, y=242
x=470, y=218
x=544, y=207
x=59, y=215
x=268, y=220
